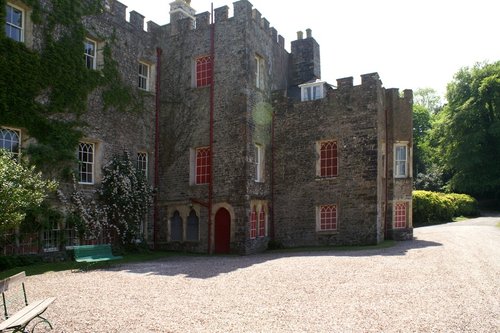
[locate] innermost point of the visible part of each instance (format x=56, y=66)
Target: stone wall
x=349, y=115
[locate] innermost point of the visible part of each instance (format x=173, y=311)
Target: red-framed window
x=328, y=159
x=253, y=223
x=203, y=71
x=262, y=222
x=203, y=167
x=400, y=209
x=328, y=217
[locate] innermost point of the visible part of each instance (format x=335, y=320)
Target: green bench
x=18, y=313
x=92, y=254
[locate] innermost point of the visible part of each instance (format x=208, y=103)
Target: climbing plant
x=125, y=196
x=45, y=91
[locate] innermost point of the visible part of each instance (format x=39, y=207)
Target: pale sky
x=411, y=44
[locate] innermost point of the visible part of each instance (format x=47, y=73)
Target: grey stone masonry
x=265, y=156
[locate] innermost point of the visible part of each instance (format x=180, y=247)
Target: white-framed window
x=312, y=91
x=326, y=218
x=259, y=71
x=259, y=163
x=400, y=160
x=142, y=163
x=86, y=158
x=14, y=22
x=144, y=76
x=10, y=140
x=90, y=53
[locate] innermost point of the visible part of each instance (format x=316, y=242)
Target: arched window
x=176, y=227
x=253, y=223
x=328, y=159
x=328, y=217
x=262, y=222
x=10, y=140
x=193, y=227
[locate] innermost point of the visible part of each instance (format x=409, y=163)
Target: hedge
x=434, y=207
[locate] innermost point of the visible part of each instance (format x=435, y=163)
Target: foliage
x=21, y=188
x=117, y=207
x=42, y=217
x=8, y=262
x=430, y=180
x=469, y=131
x=427, y=98
x=434, y=207
x=39, y=89
x=463, y=204
x=421, y=126
x=46, y=91
x=125, y=196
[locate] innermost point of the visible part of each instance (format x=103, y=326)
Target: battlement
x=119, y=12
x=185, y=20
x=366, y=80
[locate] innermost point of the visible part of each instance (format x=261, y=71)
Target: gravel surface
x=446, y=280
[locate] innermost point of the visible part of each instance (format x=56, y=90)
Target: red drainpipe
x=212, y=107
x=157, y=147
x=271, y=208
x=386, y=232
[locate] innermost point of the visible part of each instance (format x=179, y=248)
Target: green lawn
x=42, y=268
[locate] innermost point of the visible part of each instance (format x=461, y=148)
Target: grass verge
x=42, y=268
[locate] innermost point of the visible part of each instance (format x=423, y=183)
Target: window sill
x=327, y=232
x=319, y=178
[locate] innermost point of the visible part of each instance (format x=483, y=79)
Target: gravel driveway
x=446, y=280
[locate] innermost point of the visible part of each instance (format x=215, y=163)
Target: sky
x=411, y=44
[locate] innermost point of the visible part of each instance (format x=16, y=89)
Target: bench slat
x=27, y=314
x=5, y=283
x=94, y=253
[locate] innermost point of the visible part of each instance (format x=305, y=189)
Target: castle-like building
x=242, y=139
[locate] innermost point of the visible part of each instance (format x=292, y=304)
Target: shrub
x=464, y=205
x=434, y=207
x=8, y=262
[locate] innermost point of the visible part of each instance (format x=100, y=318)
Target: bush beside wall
x=434, y=207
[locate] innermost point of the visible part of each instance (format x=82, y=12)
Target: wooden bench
x=92, y=254
x=28, y=312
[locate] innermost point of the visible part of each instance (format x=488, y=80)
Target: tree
x=125, y=196
x=21, y=188
x=421, y=127
x=427, y=98
x=470, y=129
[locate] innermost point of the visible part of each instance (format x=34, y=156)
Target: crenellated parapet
x=183, y=19
x=119, y=13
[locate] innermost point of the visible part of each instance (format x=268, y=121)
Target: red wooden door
x=222, y=232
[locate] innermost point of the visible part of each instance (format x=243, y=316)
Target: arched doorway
x=222, y=234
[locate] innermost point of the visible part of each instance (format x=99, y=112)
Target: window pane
x=10, y=140
x=192, y=229
x=203, y=71
x=253, y=223
x=202, y=168
x=176, y=227
x=262, y=222
x=328, y=217
x=328, y=159
x=86, y=163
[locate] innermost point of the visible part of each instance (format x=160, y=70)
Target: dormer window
x=312, y=90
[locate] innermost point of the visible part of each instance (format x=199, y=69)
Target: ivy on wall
x=46, y=91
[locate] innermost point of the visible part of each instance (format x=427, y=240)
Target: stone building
x=242, y=139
